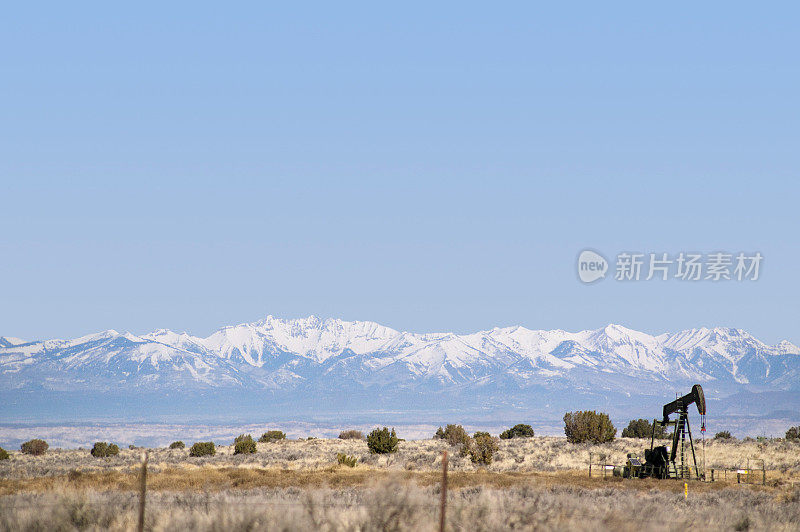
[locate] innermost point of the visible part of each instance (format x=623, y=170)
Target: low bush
x=103, y=449
x=4, y=454
x=482, y=447
x=35, y=447
x=351, y=435
x=343, y=459
x=381, y=441
x=244, y=445
x=177, y=445
x=453, y=434
x=203, y=448
x=272, y=436
x=588, y=426
x=641, y=428
x=723, y=435
x=793, y=434
x=517, y=431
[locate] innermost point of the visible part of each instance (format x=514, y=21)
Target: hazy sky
x=429, y=167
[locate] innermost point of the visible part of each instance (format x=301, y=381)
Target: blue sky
x=189, y=166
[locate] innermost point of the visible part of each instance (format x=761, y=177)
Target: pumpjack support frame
x=677, y=465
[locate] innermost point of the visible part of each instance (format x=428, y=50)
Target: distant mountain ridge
x=328, y=361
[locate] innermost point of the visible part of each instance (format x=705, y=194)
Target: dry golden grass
x=540, y=483
x=313, y=463
x=388, y=503
x=210, y=479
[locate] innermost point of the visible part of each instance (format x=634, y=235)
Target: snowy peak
x=9, y=341
x=308, y=337
x=276, y=353
x=787, y=348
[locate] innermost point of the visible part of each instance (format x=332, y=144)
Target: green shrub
x=517, y=431
x=4, y=454
x=244, y=447
x=349, y=461
x=35, y=447
x=439, y=434
x=100, y=449
x=793, y=433
x=641, y=428
x=588, y=426
x=723, y=435
x=272, y=436
x=482, y=447
x=177, y=445
x=351, y=435
x=382, y=441
x=203, y=448
x=453, y=434
x=103, y=449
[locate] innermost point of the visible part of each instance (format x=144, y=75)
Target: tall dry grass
x=399, y=506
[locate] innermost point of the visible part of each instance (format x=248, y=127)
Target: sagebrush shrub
x=517, y=431
x=641, y=428
x=453, y=434
x=4, y=454
x=482, y=447
x=381, y=441
x=351, y=435
x=177, y=445
x=723, y=435
x=793, y=434
x=103, y=449
x=272, y=436
x=244, y=444
x=588, y=426
x=349, y=461
x=35, y=447
x=203, y=448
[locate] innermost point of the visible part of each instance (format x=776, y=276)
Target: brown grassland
x=534, y=483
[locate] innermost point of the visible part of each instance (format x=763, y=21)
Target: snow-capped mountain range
x=281, y=355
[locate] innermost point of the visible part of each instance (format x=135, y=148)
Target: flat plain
x=532, y=483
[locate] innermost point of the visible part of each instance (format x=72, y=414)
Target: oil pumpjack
x=672, y=463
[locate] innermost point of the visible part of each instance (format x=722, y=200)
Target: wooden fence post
x=763, y=473
x=142, y=491
x=444, y=492
x=590, y=465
